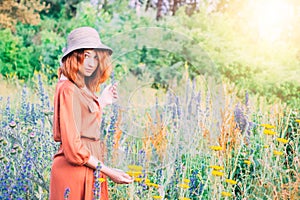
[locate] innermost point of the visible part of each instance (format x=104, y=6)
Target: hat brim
x=101, y=47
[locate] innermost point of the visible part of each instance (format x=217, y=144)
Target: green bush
x=16, y=59
x=51, y=50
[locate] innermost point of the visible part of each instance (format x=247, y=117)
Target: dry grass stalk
x=155, y=135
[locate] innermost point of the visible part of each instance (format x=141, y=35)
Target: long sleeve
x=69, y=121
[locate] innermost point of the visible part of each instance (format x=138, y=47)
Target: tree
x=26, y=12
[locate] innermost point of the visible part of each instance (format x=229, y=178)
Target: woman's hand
x=120, y=177
x=116, y=175
x=109, y=95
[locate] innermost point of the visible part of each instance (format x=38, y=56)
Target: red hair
x=72, y=62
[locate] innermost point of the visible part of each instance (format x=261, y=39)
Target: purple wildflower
x=67, y=193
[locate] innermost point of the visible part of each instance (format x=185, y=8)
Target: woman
x=77, y=115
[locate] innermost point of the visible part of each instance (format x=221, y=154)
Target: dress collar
x=84, y=89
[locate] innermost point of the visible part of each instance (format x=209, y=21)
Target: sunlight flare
x=272, y=18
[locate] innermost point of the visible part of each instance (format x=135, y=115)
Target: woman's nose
x=92, y=62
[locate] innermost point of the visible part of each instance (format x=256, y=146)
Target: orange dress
x=76, y=125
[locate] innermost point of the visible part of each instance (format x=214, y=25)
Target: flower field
x=186, y=143
x=232, y=138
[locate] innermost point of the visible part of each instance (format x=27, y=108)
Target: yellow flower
x=216, y=148
x=278, y=153
x=297, y=120
x=266, y=146
x=133, y=173
x=215, y=167
x=184, y=198
x=152, y=185
x=248, y=162
x=217, y=173
x=232, y=182
x=101, y=180
x=269, y=132
x=147, y=180
x=138, y=179
x=185, y=180
x=282, y=140
x=4, y=142
x=157, y=197
x=135, y=168
x=268, y=126
x=226, y=194
x=184, y=186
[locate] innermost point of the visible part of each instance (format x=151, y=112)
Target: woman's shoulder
x=65, y=86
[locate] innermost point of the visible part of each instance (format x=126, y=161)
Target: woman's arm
x=69, y=125
x=117, y=176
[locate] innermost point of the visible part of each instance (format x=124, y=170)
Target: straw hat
x=84, y=38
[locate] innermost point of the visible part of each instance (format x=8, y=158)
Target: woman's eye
x=86, y=56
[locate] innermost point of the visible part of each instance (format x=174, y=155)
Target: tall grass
x=190, y=142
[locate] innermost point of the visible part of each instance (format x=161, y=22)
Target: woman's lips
x=89, y=70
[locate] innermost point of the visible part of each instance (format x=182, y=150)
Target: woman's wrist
x=93, y=162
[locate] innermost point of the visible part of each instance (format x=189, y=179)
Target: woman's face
x=90, y=63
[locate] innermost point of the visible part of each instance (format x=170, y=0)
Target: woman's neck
x=80, y=80
x=88, y=90
x=63, y=77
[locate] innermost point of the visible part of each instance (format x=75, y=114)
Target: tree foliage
x=26, y=12
x=238, y=55
x=16, y=59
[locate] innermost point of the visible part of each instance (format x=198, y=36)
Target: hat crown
x=83, y=37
